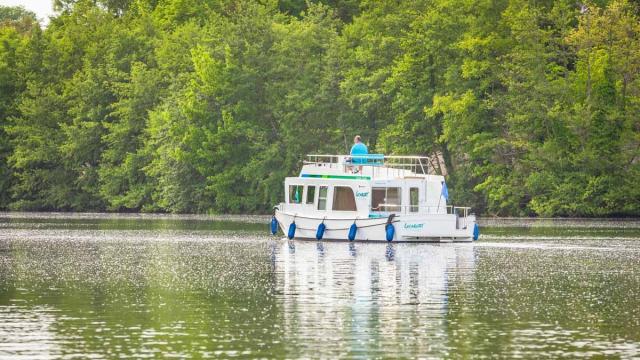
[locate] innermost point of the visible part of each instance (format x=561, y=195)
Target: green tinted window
x=311, y=194
x=322, y=198
x=295, y=194
x=414, y=198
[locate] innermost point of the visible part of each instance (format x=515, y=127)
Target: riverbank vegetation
x=206, y=105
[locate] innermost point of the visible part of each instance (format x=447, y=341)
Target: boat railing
x=462, y=211
x=415, y=164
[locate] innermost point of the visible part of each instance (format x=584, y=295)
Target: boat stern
x=437, y=227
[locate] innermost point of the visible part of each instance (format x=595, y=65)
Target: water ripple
x=87, y=288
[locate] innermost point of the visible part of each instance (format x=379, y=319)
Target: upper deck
x=368, y=167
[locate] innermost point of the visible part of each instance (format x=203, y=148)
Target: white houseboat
x=371, y=197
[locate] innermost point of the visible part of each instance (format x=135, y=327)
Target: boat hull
x=408, y=228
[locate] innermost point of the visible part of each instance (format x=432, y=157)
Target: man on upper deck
x=358, y=148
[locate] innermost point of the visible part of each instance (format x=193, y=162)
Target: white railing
x=408, y=209
x=415, y=164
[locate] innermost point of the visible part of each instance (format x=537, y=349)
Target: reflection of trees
x=117, y=293
x=131, y=293
x=385, y=299
x=547, y=300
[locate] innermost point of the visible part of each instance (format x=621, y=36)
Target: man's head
x=357, y=139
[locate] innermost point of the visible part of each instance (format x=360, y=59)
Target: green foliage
x=18, y=18
x=19, y=36
x=206, y=105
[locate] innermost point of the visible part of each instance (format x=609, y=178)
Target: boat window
x=322, y=198
x=311, y=194
x=295, y=194
x=377, y=198
x=414, y=196
x=393, y=198
x=343, y=199
x=383, y=197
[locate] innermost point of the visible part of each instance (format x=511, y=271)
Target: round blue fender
x=476, y=232
x=292, y=231
x=320, y=233
x=390, y=230
x=352, y=232
x=274, y=226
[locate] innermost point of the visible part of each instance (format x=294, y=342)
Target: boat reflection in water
x=362, y=297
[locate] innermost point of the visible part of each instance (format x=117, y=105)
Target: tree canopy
x=206, y=105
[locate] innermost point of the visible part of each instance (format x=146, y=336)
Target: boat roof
x=369, y=167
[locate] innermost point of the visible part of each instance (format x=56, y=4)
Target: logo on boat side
x=413, y=226
x=362, y=194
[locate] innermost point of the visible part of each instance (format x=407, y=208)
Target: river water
x=111, y=286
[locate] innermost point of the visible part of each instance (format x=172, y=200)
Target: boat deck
x=369, y=167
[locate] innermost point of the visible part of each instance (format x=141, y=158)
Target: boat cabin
x=365, y=186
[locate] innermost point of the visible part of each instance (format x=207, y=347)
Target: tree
x=206, y=105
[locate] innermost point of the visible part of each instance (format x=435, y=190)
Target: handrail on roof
x=417, y=164
x=372, y=155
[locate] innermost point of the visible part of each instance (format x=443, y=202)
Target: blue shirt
x=359, y=149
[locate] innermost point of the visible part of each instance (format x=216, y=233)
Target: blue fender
x=320, y=233
x=292, y=231
x=476, y=232
x=352, y=232
x=390, y=230
x=274, y=226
